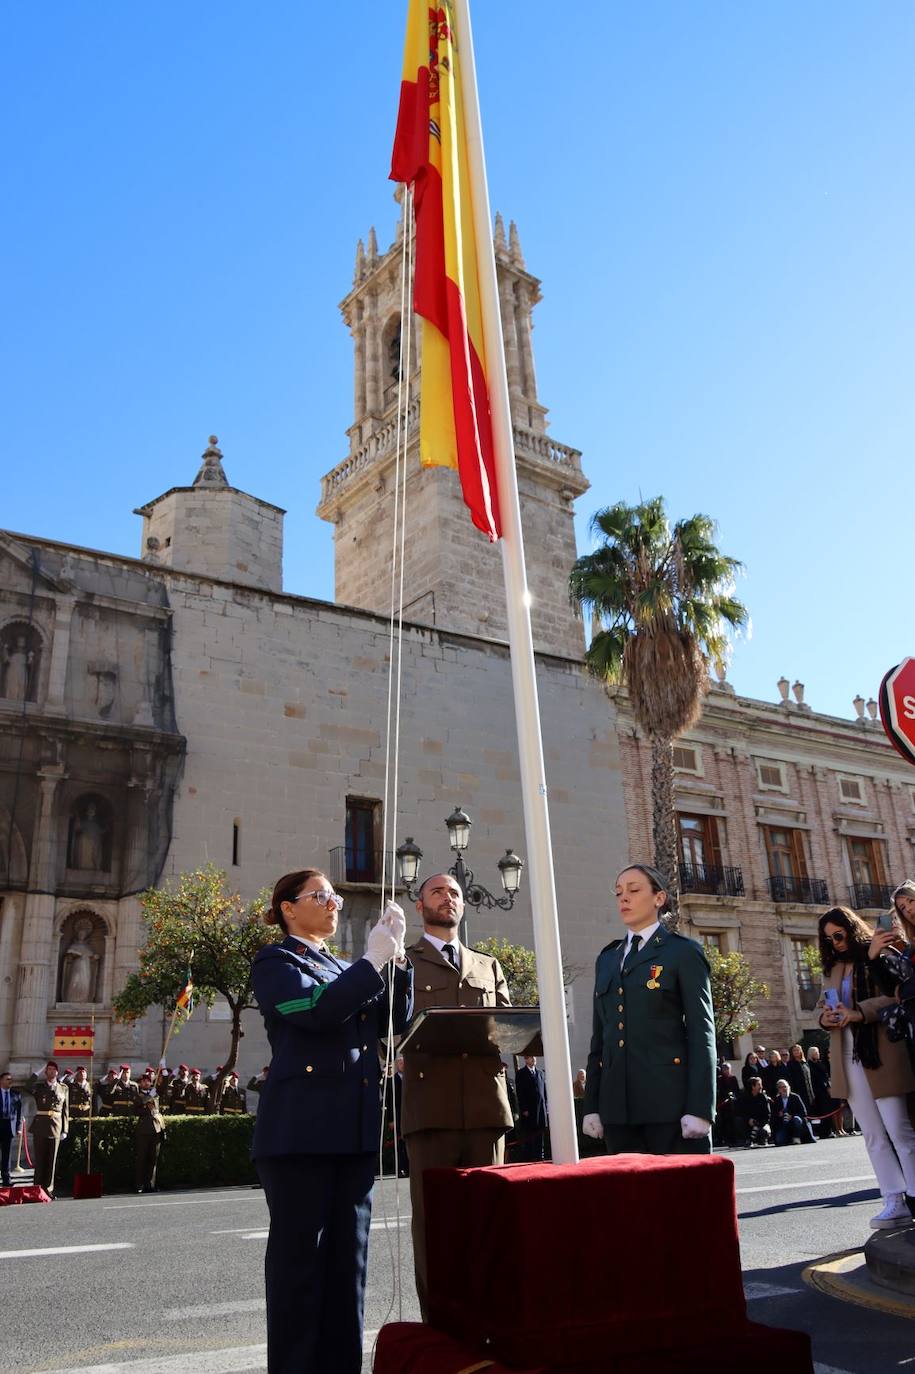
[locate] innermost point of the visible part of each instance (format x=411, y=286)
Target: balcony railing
x=877, y=895
x=803, y=891
x=354, y=865
x=712, y=880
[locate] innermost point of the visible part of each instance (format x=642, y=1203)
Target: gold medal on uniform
x=656, y=971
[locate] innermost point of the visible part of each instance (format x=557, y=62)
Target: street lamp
x=409, y=857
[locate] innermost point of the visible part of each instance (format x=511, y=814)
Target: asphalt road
x=174, y=1284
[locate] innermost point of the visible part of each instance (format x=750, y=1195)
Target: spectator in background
x=772, y=1073
x=578, y=1085
x=789, y=1118
x=824, y=1104
x=256, y=1083
x=797, y=1072
x=752, y=1068
x=530, y=1087
x=755, y=1110
x=762, y=1054
x=727, y=1122
x=10, y=1124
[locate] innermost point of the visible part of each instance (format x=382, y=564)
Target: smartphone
x=831, y=998
x=886, y=921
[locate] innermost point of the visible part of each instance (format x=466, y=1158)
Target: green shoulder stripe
x=300, y=1003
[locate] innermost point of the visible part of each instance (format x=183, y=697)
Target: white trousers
x=884, y=1121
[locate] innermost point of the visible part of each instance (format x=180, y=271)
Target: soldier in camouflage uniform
x=80, y=1091
x=234, y=1102
x=196, y=1096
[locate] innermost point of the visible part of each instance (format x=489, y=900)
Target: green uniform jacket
x=652, y=1052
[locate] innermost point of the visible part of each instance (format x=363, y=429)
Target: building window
x=868, y=874
x=771, y=776
x=363, y=826
x=688, y=759
x=852, y=790
x=236, y=842
x=788, y=880
x=802, y=958
x=699, y=852
x=713, y=939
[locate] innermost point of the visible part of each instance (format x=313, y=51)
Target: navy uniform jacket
x=323, y=1019
x=652, y=1053
x=530, y=1086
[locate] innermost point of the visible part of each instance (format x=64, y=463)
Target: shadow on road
x=814, y=1204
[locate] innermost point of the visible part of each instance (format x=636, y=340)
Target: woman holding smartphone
x=870, y=1071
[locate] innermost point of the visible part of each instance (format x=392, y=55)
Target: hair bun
x=270, y=917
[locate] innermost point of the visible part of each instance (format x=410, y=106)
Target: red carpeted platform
x=548, y=1267
x=31, y=1192
x=411, y=1348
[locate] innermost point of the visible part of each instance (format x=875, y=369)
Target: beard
x=449, y=919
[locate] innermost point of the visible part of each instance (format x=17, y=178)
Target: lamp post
x=409, y=858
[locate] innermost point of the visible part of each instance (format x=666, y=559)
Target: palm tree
x=663, y=599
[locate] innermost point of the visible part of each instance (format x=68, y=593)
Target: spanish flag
x=430, y=151
x=73, y=1042
x=185, y=1000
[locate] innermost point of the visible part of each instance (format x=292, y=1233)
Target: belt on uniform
x=232, y=1111
x=55, y=1111
x=192, y=1109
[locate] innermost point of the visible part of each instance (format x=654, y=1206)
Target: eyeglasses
x=837, y=937
x=325, y=898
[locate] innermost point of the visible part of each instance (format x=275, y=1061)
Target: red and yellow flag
x=430, y=150
x=72, y=1042
x=185, y=1000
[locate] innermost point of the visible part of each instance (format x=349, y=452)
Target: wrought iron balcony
x=875, y=895
x=807, y=996
x=803, y=891
x=351, y=864
x=712, y=880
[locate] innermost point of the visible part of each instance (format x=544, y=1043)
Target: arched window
x=90, y=834
x=391, y=350
x=21, y=649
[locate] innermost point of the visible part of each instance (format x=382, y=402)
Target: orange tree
x=198, y=927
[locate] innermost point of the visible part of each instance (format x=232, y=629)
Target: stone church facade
x=162, y=712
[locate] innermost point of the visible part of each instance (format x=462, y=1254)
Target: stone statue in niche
x=19, y=662
x=79, y=965
x=89, y=831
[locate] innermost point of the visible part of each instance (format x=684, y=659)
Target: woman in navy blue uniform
x=318, y=1121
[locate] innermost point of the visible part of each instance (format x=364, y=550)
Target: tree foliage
x=519, y=964
x=734, y=993
x=197, y=925
x=663, y=598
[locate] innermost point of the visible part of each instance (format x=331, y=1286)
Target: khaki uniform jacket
x=234, y=1102
x=459, y=1092
x=149, y=1118
x=52, y=1103
x=894, y=1078
x=196, y=1100
x=124, y=1098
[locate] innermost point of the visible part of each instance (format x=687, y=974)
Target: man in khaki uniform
x=455, y=1107
x=233, y=1102
x=149, y=1134
x=124, y=1094
x=176, y=1090
x=51, y=1123
x=80, y=1096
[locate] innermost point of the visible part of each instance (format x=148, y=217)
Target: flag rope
x=392, y=734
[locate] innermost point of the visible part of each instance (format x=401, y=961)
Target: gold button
x=676, y=1060
x=428, y=987
x=619, y=992
x=463, y=1056
x=622, y=1043
x=362, y=1016
x=308, y=1068
x=421, y=1074
x=365, y=1082
x=364, y=1048
x=621, y=1006
x=621, y=1026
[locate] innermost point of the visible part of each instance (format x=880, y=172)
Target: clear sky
x=719, y=198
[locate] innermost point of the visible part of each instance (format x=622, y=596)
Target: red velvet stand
x=614, y=1265
x=32, y=1192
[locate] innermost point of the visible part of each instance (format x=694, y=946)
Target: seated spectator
x=789, y=1118
x=755, y=1110
x=797, y=1072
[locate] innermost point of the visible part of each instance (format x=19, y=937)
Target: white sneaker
x=895, y=1213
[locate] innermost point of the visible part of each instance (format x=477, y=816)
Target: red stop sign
x=897, y=707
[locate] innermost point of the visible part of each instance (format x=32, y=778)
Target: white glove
x=381, y=946
x=396, y=922
x=693, y=1127
x=593, y=1126
x=64, y=1136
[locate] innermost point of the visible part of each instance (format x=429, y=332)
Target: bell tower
x=452, y=574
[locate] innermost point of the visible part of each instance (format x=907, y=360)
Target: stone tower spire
x=451, y=569
x=211, y=472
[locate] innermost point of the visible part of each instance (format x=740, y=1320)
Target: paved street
x=173, y=1283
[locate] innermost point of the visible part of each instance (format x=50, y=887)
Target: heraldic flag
x=430, y=150
x=185, y=1000
x=73, y=1042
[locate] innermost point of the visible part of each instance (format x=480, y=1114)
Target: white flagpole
x=558, y=1069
